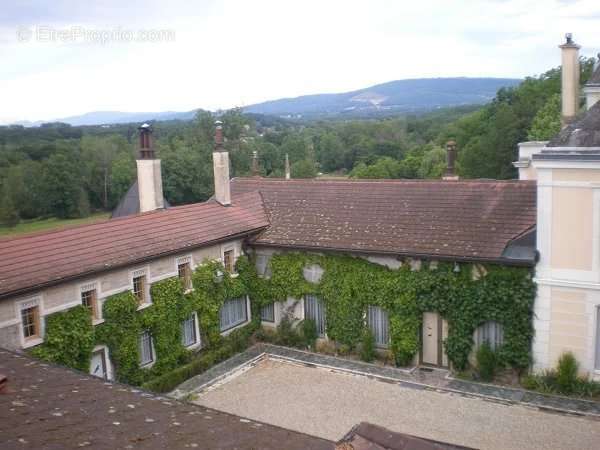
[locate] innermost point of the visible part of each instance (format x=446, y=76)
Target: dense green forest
x=64, y=171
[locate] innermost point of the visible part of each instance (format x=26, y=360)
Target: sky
x=60, y=58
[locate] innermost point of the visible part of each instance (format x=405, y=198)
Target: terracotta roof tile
x=32, y=260
x=456, y=219
x=50, y=407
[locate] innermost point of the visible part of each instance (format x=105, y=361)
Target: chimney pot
x=218, y=136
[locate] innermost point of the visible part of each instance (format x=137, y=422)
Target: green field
x=32, y=226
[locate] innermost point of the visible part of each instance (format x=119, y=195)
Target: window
x=30, y=317
x=263, y=268
x=313, y=273
x=314, y=310
x=188, y=331
x=490, y=332
x=229, y=261
x=139, y=288
x=379, y=324
x=184, y=270
x=89, y=300
x=597, y=365
x=233, y=312
x=146, y=349
x=267, y=313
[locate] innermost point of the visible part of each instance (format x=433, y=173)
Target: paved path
x=328, y=403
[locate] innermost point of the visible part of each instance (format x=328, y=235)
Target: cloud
x=231, y=53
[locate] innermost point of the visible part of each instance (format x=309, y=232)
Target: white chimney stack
x=288, y=174
x=221, y=168
x=148, y=173
x=592, y=87
x=570, y=80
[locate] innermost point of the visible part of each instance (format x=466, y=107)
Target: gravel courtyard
x=328, y=404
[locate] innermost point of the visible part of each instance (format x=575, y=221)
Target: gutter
x=399, y=255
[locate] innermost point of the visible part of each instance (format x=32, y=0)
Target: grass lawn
x=31, y=226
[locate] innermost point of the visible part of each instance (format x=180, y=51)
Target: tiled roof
x=50, y=257
x=595, y=78
x=462, y=220
x=584, y=132
x=50, y=407
x=130, y=202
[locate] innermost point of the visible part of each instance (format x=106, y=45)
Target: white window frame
x=25, y=304
x=479, y=340
x=145, y=271
x=238, y=325
x=369, y=315
x=152, y=350
x=313, y=273
x=198, y=342
x=109, y=369
x=92, y=286
x=318, y=299
x=266, y=273
x=267, y=320
x=185, y=260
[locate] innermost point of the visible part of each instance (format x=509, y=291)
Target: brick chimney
x=148, y=172
x=221, y=168
x=570, y=80
x=592, y=87
x=450, y=173
x=288, y=173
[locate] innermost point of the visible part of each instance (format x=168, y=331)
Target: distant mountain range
x=394, y=97
x=421, y=94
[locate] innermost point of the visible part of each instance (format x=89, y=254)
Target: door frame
x=108, y=374
x=440, y=343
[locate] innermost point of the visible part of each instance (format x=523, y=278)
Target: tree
x=304, y=168
x=331, y=152
x=63, y=183
x=546, y=122
x=9, y=214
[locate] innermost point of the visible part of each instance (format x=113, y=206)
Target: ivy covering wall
x=348, y=285
x=70, y=336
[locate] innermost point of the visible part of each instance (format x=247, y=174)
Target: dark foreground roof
x=34, y=261
x=50, y=407
x=584, y=132
x=460, y=220
x=130, y=203
x=366, y=436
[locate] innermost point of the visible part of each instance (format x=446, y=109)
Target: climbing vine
x=349, y=285
x=69, y=338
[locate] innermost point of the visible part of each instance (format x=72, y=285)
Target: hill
x=401, y=96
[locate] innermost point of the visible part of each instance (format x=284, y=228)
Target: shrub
x=367, y=348
x=235, y=342
x=309, y=332
x=287, y=334
x=566, y=373
x=486, y=362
